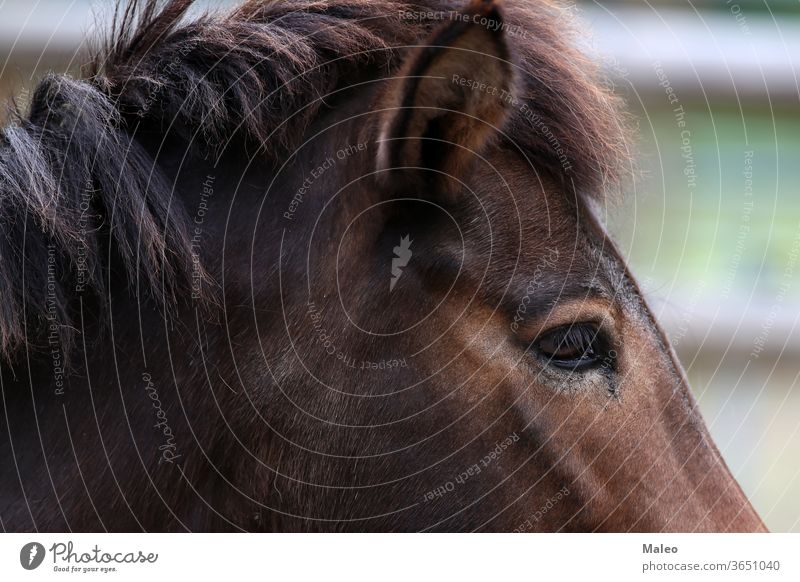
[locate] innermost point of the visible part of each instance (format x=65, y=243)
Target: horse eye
x=574, y=347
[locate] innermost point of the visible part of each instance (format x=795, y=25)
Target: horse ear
x=449, y=99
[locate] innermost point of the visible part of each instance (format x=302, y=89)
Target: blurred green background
x=712, y=223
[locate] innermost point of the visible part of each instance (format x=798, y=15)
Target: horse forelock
x=75, y=178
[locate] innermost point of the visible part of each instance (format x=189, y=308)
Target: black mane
x=78, y=193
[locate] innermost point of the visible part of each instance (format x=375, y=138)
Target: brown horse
x=335, y=265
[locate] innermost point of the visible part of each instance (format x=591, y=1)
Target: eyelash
x=576, y=347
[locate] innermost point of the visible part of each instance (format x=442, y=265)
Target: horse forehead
x=521, y=197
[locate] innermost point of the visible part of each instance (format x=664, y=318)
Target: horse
x=336, y=265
